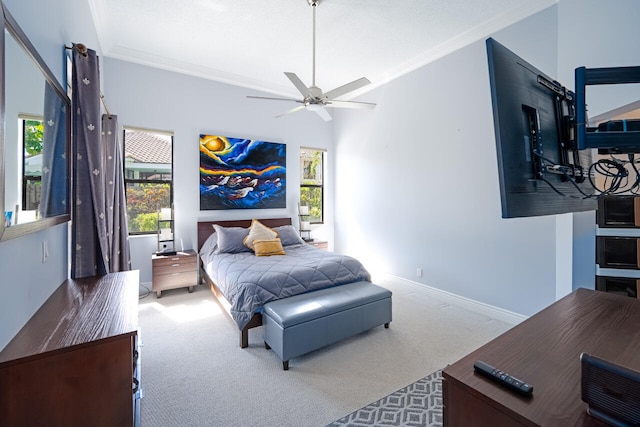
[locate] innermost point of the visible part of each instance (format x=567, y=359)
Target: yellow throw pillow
x=258, y=231
x=268, y=247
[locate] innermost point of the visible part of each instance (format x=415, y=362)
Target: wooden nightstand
x=320, y=244
x=174, y=271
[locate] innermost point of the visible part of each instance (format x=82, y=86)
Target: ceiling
x=250, y=43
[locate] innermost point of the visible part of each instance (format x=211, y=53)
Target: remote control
x=503, y=378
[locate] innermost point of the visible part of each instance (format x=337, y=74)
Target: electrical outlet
x=419, y=272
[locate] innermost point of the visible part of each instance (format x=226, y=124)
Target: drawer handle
x=175, y=259
x=175, y=265
x=175, y=274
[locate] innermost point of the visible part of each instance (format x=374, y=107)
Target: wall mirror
x=35, y=139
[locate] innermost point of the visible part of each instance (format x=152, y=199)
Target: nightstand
x=320, y=244
x=174, y=271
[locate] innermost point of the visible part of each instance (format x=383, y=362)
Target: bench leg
x=285, y=365
x=267, y=346
x=244, y=338
x=386, y=325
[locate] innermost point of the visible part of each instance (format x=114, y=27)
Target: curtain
x=117, y=227
x=99, y=229
x=54, y=197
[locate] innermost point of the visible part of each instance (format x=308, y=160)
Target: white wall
x=417, y=182
x=188, y=106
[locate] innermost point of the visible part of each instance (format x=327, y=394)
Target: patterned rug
x=416, y=405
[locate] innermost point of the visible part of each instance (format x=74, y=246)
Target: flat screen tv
x=541, y=171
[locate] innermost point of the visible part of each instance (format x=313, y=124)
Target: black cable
x=569, y=178
x=603, y=167
x=613, y=170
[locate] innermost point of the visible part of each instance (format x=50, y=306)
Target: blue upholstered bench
x=302, y=323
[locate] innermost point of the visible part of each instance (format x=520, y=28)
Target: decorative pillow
x=268, y=247
x=230, y=239
x=258, y=231
x=288, y=235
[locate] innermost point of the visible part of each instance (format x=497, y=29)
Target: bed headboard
x=205, y=228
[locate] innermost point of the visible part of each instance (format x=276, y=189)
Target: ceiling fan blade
x=274, y=99
x=349, y=87
x=293, y=110
x=322, y=112
x=299, y=85
x=350, y=104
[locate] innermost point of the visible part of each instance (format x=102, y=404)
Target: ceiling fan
x=313, y=97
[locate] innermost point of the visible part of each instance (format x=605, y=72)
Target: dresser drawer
x=175, y=267
x=174, y=259
x=175, y=280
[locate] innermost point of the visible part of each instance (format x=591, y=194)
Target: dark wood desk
x=544, y=350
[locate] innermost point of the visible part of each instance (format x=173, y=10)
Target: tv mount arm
x=569, y=167
x=605, y=142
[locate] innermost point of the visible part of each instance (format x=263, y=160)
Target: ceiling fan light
x=315, y=107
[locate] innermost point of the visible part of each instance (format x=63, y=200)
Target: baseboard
x=468, y=303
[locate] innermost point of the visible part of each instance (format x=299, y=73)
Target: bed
x=243, y=282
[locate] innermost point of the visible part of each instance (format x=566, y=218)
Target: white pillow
x=258, y=231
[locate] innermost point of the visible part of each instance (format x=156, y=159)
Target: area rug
x=416, y=405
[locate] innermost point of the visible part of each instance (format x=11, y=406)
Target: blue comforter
x=248, y=281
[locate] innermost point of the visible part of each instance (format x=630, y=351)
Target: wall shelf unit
x=618, y=245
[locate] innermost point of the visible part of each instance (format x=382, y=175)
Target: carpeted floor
x=417, y=405
x=195, y=374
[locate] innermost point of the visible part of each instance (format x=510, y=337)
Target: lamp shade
x=165, y=213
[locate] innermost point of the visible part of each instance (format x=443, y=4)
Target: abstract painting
x=237, y=173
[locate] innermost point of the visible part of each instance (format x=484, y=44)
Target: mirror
x=36, y=139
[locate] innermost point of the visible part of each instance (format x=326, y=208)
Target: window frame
x=23, y=119
x=320, y=186
x=128, y=181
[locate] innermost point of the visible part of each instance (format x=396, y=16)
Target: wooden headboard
x=205, y=228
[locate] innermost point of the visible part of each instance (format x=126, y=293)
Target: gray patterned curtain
x=117, y=227
x=54, y=198
x=98, y=205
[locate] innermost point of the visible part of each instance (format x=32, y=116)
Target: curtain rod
x=83, y=51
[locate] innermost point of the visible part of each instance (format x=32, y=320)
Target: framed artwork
x=237, y=173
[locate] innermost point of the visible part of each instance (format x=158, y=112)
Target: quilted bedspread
x=249, y=281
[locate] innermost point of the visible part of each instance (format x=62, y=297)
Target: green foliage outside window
x=312, y=197
x=34, y=132
x=143, y=202
x=144, y=222
x=312, y=183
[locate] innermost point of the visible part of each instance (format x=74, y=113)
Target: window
x=312, y=182
x=148, y=178
x=32, y=138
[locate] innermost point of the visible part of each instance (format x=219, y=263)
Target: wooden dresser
x=174, y=271
x=75, y=361
x=544, y=351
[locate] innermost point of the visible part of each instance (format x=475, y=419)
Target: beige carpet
x=195, y=374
